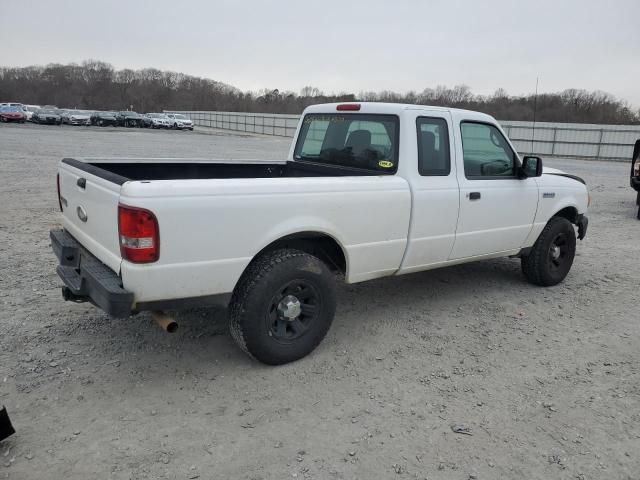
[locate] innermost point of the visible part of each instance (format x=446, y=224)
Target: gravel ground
x=538, y=383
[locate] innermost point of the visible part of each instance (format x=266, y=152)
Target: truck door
x=497, y=208
x=434, y=192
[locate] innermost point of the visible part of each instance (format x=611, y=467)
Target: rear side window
x=350, y=140
x=433, y=147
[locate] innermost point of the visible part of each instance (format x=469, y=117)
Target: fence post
x=553, y=144
x=599, y=144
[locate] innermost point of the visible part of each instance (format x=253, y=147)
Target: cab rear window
x=350, y=140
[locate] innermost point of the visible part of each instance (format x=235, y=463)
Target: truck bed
x=214, y=217
x=145, y=169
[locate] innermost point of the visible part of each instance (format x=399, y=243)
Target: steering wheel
x=495, y=167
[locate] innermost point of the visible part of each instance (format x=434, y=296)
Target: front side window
x=486, y=152
x=350, y=140
x=433, y=147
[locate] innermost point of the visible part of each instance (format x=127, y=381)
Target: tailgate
x=90, y=209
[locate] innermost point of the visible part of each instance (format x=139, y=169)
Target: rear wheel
x=283, y=306
x=552, y=255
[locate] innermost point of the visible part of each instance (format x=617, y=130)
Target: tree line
x=98, y=85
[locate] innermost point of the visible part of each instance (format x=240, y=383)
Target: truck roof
x=394, y=108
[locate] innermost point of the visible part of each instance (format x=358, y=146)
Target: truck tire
x=283, y=306
x=552, y=255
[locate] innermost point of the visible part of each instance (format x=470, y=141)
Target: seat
x=359, y=141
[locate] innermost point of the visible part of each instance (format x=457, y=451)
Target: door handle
x=81, y=182
x=474, y=196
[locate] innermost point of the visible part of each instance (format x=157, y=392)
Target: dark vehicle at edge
x=46, y=116
x=129, y=119
x=102, y=119
x=635, y=173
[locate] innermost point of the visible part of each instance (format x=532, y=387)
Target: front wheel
x=552, y=255
x=283, y=306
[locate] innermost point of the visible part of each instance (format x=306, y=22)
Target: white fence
x=567, y=140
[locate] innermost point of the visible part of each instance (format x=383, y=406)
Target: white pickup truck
x=369, y=190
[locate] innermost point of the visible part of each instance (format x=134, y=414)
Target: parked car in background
x=145, y=122
x=180, y=121
x=76, y=117
x=158, y=120
x=10, y=104
x=129, y=119
x=635, y=173
x=29, y=110
x=12, y=114
x=47, y=116
x=103, y=119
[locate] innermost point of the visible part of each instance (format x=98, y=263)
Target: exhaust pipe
x=167, y=323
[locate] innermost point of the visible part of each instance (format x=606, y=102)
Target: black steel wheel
x=558, y=252
x=293, y=310
x=551, y=257
x=283, y=306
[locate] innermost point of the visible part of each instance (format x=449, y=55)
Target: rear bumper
x=86, y=279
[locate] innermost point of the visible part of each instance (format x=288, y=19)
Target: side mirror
x=531, y=167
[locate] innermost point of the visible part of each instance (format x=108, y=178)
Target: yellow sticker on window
x=385, y=164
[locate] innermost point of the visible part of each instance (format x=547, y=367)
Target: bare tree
x=97, y=85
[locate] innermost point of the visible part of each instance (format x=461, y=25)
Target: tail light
x=636, y=168
x=59, y=196
x=139, y=234
x=349, y=107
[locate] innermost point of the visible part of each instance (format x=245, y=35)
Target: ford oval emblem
x=82, y=214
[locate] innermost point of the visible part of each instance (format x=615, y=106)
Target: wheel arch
x=569, y=212
x=318, y=243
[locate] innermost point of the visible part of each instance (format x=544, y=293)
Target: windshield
x=156, y=115
x=9, y=109
x=180, y=117
x=350, y=140
x=48, y=112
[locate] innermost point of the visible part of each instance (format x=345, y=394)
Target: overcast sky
x=345, y=45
